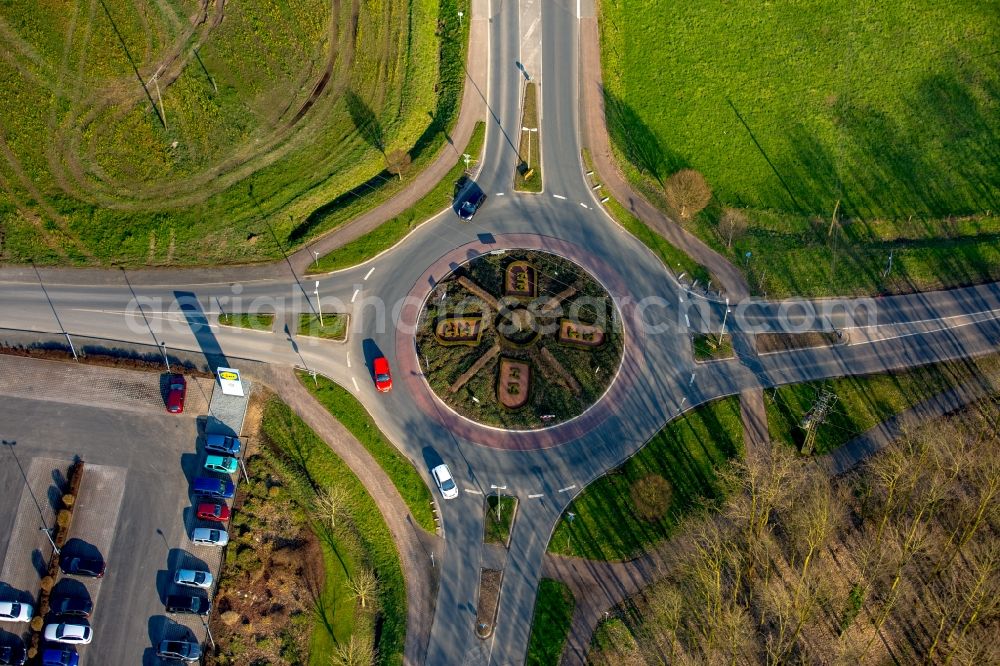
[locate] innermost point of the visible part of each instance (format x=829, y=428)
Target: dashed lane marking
x=562, y=490
x=348, y=359
x=536, y=495
x=473, y=492
x=355, y=295
x=585, y=205
x=369, y=273
x=500, y=194
x=558, y=196
x=687, y=320
x=355, y=384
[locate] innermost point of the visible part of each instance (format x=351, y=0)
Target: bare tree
x=363, y=585
x=398, y=162
x=687, y=193
x=354, y=652
x=733, y=224
x=331, y=504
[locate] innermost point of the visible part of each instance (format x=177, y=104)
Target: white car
x=68, y=632
x=444, y=481
x=207, y=536
x=15, y=611
x=192, y=578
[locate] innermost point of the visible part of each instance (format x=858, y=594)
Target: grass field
x=346, y=409
x=257, y=322
x=686, y=453
x=333, y=326
x=553, y=615
x=530, y=146
x=151, y=134
x=889, y=108
x=391, y=232
x=499, y=520
x=361, y=540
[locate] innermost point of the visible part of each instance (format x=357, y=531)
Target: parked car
x=70, y=605
x=207, y=536
x=92, y=567
x=210, y=486
x=193, y=578
x=176, y=390
x=60, y=656
x=467, y=209
x=188, y=603
x=224, y=444
x=223, y=464
x=13, y=654
x=383, y=377
x=179, y=651
x=15, y=611
x=69, y=632
x=445, y=482
x=215, y=512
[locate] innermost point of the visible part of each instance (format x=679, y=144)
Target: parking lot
x=133, y=507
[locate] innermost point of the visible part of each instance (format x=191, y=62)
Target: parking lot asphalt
x=133, y=507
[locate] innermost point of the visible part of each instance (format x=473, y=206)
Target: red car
x=215, y=512
x=383, y=378
x=176, y=390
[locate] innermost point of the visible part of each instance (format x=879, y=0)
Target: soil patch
x=489, y=601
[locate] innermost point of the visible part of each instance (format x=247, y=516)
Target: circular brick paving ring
x=410, y=374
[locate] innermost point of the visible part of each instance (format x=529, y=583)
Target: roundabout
x=519, y=339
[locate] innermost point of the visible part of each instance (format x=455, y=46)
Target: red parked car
x=176, y=390
x=215, y=512
x=383, y=378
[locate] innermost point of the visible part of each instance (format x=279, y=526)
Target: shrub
x=47, y=583
x=687, y=193
x=37, y=622
x=63, y=518
x=68, y=499
x=732, y=225
x=651, y=497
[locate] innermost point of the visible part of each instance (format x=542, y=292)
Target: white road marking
x=355, y=295
x=369, y=273
x=558, y=196
x=499, y=194
x=536, y=495
x=356, y=388
x=348, y=359
x=562, y=490
x=686, y=320
x=585, y=205
x=692, y=379
x=473, y=492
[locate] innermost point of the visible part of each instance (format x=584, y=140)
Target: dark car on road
x=472, y=203
x=69, y=605
x=60, y=657
x=13, y=654
x=75, y=565
x=179, y=651
x=176, y=390
x=188, y=603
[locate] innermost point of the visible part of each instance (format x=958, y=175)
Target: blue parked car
x=224, y=444
x=60, y=657
x=209, y=486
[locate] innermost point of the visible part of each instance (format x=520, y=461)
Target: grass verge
x=394, y=230
x=709, y=347
x=362, y=539
x=528, y=175
x=257, y=322
x=499, y=519
x=333, y=326
x=553, y=615
x=673, y=258
x=352, y=415
x=679, y=462
x=863, y=402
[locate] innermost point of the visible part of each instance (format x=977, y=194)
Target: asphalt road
x=660, y=377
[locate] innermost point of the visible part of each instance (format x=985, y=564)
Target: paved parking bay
x=133, y=507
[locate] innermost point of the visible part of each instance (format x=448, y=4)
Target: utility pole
x=319, y=306
x=722, y=331
x=460, y=15
x=467, y=157
x=41, y=516
x=815, y=417
x=888, y=267
x=166, y=360
x=54, y=313
x=529, y=130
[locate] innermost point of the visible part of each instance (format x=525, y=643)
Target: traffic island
x=489, y=601
x=519, y=339
x=254, y=322
x=331, y=326
x=500, y=513
x=528, y=177
x=712, y=347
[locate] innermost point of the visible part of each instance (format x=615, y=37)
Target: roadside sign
x=229, y=380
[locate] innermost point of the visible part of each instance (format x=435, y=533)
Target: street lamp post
x=467, y=157
x=56, y=314
x=460, y=15
x=722, y=331
x=166, y=360
x=316, y=262
x=48, y=533
x=319, y=306
x=529, y=130
x=41, y=516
